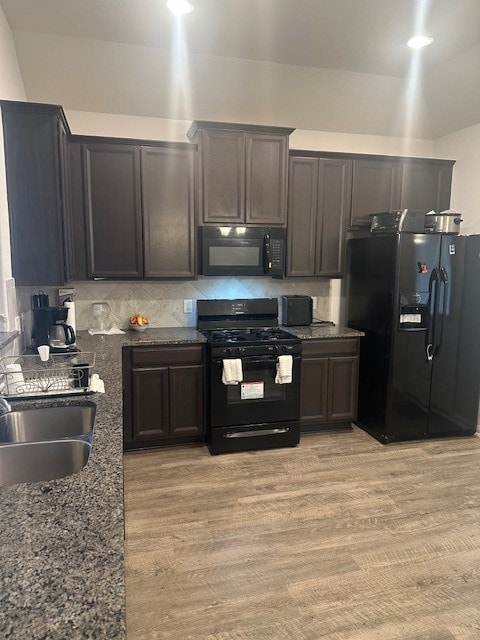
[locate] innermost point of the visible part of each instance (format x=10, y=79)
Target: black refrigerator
x=417, y=298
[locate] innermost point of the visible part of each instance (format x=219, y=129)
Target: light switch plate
x=187, y=306
x=314, y=298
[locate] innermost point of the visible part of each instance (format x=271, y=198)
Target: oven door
x=258, y=399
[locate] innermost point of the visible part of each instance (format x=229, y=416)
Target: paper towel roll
x=71, y=314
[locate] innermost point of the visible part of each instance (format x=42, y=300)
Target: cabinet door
x=33, y=169
x=302, y=216
x=186, y=400
x=376, y=187
x=334, y=199
x=342, y=388
x=426, y=186
x=113, y=210
x=222, y=181
x=67, y=220
x=266, y=178
x=150, y=400
x=313, y=393
x=168, y=212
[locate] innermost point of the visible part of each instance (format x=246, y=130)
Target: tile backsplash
x=162, y=301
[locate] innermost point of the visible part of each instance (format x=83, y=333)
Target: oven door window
x=258, y=399
x=258, y=386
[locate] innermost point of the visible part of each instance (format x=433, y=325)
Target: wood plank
x=341, y=538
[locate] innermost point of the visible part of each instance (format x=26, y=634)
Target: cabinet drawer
x=343, y=346
x=167, y=355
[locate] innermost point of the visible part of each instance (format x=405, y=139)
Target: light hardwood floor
x=341, y=538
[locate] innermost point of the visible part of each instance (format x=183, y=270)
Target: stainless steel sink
x=46, y=443
x=32, y=425
x=42, y=461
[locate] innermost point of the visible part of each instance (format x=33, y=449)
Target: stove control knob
x=241, y=350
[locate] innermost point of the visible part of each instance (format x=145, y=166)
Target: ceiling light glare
x=417, y=42
x=179, y=7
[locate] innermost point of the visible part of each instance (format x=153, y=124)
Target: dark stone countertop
x=167, y=335
x=62, y=542
x=324, y=332
x=6, y=337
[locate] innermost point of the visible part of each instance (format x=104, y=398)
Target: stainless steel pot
x=445, y=222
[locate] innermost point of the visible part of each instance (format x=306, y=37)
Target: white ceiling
x=354, y=35
x=362, y=36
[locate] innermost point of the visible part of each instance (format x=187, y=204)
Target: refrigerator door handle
x=430, y=333
x=444, y=281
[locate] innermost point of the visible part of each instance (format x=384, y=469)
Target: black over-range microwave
x=242, y=251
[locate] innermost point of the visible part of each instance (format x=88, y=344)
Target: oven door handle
x=257, y=359
x=256, y=432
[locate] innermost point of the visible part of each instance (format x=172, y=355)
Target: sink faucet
x=5, y=406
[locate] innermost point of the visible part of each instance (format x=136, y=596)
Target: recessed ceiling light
x=179, y=7
x=417, y=42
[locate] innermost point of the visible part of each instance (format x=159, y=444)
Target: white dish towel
x=232, y=372
x=284, y=370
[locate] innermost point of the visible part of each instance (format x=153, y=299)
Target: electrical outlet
x=314, y=298
x=188, y=306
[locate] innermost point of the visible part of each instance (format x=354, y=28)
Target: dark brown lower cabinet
x=328, y=395
x=163, y=395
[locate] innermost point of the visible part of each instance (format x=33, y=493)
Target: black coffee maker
x=50, y=328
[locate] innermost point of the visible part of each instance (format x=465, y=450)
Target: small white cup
x=44, y=352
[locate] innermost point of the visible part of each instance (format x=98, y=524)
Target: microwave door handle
x=267, y=259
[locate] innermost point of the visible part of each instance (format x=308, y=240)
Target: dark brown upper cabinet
x=137, y=206
x=426, y=185
x=302, y=216
x=319, y=205
x=36, y=159
x=243, y=173
x=266, y=178
x=334, y=198
x=377, y=186
x=222, y=170
x=168, y=212
x=111, y=174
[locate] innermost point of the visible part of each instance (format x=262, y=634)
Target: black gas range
x=258, y=411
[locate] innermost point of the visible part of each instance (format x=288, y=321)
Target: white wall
x=464, y=147
x=127, y=126
x=111, y=77
x=11, y=88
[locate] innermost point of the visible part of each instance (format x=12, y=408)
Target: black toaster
x=297, y=311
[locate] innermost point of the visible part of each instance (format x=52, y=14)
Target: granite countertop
x=325, y=332
x=62, y=560
x=167, y=335
x=6, y=337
